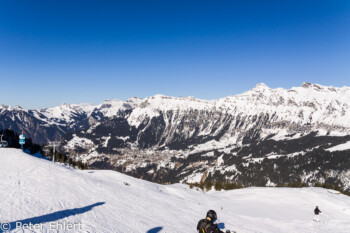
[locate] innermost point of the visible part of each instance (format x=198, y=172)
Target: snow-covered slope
x=64, y=113
x=40, y=192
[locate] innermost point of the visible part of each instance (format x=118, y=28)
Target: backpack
x=206, y=226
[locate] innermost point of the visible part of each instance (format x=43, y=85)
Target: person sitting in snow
x=317, y=211
x=209, y=224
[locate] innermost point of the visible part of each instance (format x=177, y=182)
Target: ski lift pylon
x=3, y=143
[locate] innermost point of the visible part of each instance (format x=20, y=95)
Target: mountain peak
x=319, y=87
x=312, y=85
x=112, y=101
x=306, y=85
x=10, y=108
x=261, y=86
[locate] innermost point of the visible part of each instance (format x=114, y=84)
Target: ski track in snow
x=37, y=190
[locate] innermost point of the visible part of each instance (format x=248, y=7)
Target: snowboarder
x=209, y=224
x=317, y=212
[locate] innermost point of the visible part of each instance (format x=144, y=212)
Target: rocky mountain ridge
x=185, y=139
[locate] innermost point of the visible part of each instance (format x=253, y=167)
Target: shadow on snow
x=155, y=230
x=51, y=217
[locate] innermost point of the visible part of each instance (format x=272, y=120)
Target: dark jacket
x=317, y=211
x=206, y=226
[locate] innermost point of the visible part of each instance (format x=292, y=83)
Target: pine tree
x=208, y=185
x=218, y=185
x=80, y=165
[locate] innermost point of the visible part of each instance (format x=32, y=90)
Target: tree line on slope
x=226, y=185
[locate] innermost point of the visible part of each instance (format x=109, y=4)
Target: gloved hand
x=228, y=231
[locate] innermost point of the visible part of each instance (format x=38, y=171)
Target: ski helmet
x=212, y=215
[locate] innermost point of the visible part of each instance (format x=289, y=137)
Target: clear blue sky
x=87, y=51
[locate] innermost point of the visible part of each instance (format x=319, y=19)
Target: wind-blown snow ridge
x=37, y=191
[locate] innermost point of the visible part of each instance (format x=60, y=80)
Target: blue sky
x=87, y=51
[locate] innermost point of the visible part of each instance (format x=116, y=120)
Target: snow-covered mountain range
x=297, y=110
x=170, y=139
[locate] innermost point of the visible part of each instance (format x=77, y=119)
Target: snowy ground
x=35, y=191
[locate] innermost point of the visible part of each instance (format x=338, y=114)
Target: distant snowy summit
x=324, y=108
